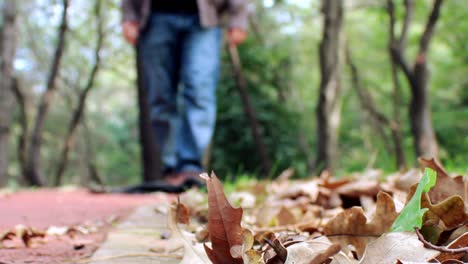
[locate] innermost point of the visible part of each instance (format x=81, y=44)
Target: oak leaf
x=351, y=226
x=446, y=185
x=451, y=211
x=223, y=223
x=354, y=222
x=391, y=247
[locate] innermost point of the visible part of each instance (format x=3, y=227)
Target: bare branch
x=409, y=10
x=32, y=170
x=428, y=244
x=429, y=30
x=79, y=112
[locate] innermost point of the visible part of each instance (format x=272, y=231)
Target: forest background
x=72, y=65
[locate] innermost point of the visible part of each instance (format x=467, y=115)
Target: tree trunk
x=79, y=112
x=23, y=122
x=329, y=105
x=150, y=156
x=8, y=50
x=249, y=111
x=33, y=175
x=420, y=113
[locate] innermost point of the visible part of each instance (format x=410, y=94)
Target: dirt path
x=44, y=208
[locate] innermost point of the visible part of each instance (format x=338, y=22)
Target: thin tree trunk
x=8, y=50
x=93, y=172
x=249, y=111
x=383, y=122
x=150, y=156
x=23, y=121
x=420, y=113
x=33, y=175
x=79, y=111
x=329, y=104
x=397, y=92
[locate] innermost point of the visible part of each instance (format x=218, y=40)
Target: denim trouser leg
x=159, y=50
x=175, y=48
x=199, y=76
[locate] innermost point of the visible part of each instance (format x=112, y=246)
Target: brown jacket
x=211, y=12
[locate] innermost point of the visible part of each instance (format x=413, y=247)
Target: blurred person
x=178, y=44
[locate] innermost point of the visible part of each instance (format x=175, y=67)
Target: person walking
x=178, y=44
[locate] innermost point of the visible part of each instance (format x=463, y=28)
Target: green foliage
x=281, y=65
x=411, y=216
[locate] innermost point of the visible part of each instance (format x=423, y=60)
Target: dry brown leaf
x=305, y=252
x=223, y=223
x=182, y=213
x=360, y=187
x=245, y=251
x=446, y=186
x=286, y=217
x=192, y=254
x=461, y=242
x=354, y=222
x=451, y=211
x=397, y=246
x=28, y=234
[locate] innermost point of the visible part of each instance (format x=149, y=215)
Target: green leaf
x=411, y=216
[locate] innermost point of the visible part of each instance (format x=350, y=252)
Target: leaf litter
x=360, y=219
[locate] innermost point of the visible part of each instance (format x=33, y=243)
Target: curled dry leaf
x=192, y=254
x=183, y=214
x=351, y=226
x=461, y=242
x=305, y=252
x=223, y=223
x=446, y=186
x=391, y=247
x=245, y=251
x=354, y=222
x=451, y=211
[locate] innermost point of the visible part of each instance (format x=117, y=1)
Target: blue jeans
x=180, y=63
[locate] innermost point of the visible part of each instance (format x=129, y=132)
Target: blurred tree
x=329, y=100
x=7, y=81
x=33, y=173
x=78, y=113
x=418, y=78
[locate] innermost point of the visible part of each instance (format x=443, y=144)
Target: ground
x=41, y=209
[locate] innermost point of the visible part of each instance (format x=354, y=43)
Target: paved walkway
x=136, y=235
x=41, y=209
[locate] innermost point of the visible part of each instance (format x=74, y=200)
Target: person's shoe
x=186, y=179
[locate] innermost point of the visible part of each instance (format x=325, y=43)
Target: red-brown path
x=44, y=208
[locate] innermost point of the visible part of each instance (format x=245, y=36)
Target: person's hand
x=236, y=36
x=130, y=31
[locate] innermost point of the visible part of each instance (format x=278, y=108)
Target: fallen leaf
x=451, y=211
x=354, y=222
x=28, y=234
x=223, y=223
x=245, y=251
x=461, y=242
x=285, y=217
x=183, y=214
x=351, y=227
x=305, y=252
x=446, y=186
x=360, y=187
x=391, y=247
x=192, y=254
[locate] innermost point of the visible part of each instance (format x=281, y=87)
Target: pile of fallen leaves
x=411, y=217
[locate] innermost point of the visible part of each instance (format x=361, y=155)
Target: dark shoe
x=185, y=178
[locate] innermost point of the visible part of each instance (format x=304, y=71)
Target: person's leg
x=199, y=75
x=159, y=51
